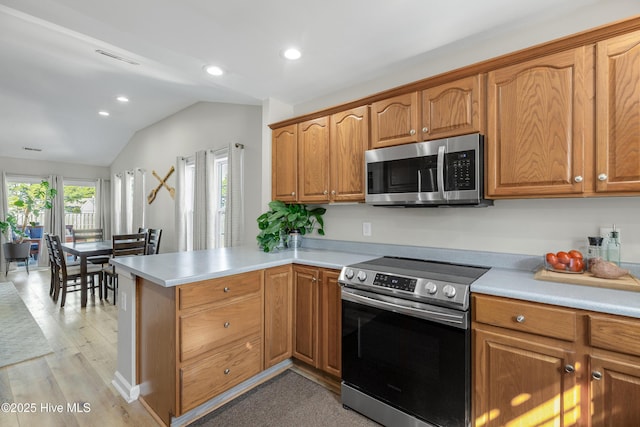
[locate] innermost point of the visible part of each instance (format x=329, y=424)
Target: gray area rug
x=288, y=400
x=20, y=336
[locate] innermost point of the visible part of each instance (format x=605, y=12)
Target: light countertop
x=172, y=269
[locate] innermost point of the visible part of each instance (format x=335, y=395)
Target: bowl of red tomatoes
x=565, y=262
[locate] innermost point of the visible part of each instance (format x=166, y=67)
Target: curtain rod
x=240, y=146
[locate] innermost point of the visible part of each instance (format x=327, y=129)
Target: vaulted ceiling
x=53, y=82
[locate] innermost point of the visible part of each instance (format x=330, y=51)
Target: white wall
x=45, y=168
x=201, y=126
x=511, y=226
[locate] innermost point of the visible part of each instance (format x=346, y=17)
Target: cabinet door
x=521, y=382
x=278, y=314
x=539, y=121
x=313, y=151
x=452, y=109
x=305, y=314
x=394, y=121
x=615, y=392
x=349, y=141
x=330, y=323
x=284, y=163
x=618, y=114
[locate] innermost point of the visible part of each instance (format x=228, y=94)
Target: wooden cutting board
x=625, y=283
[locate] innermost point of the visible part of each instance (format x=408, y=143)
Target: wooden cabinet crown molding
x=576, y=40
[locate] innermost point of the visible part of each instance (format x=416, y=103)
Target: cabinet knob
x=333, y=192
x=569, y=369
x=578, y=178
x=325, y=192
x=314, y=279
x=226, y=289
x=520, y=318
x=425, y=129
x=596, y=375
x=227, y=371
x=412, y=132
x=293, y=193
x=227, y=324
x=602, y=177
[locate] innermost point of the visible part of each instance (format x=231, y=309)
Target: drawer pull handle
x=227, y=324
x=520, y=318
x=226, y=289
x=569, y=369
x=596, y=375
x=227, y=371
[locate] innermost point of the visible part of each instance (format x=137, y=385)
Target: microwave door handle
x=419, y=182
x=440, y=174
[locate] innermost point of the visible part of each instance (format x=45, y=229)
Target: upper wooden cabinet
x=618, y=114
x=395, y=121
x=284, y=163
x=454, y=108
x=538, y=125
x=313, y=160
x=349, y=140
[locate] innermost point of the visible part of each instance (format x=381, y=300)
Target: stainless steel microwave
x=443, y=172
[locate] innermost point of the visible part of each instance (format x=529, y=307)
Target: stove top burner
x=435, y=282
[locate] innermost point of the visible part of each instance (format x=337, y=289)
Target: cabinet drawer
x=217, y=290
x=205, y=330
x=213, y=375
x=621, y=335
x=526, y=317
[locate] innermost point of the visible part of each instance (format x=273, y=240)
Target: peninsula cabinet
x=284, y=163
x=278, y=314
x=394, y=121
x=538, y=364
x=618, y=114
x=198, y=340
x=452, y=109
x=539, y=125
x=317, y=336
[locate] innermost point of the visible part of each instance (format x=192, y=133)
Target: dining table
x=85, y=250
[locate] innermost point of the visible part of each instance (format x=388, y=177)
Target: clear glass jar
x=613, y=248
x=594, y=250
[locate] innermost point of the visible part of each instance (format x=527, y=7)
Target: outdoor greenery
x=282, y=218
x=26, y=201
x=76, y=195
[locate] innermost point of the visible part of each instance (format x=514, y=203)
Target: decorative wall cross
x=163, y=183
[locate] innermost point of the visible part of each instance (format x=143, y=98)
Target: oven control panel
x=395, y=282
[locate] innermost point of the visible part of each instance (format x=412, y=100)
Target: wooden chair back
x=87, y=235
x=153, y=239
x=129, y=244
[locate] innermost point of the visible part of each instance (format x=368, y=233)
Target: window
x=220, y=197
x=80, y=204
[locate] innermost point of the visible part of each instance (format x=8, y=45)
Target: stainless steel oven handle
x=457, y=319
x=440, y=174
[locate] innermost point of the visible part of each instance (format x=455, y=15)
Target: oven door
x=397, y=355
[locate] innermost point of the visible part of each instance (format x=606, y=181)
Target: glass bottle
x=613, y=248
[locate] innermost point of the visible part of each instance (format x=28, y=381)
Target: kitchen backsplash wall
x=532, y=226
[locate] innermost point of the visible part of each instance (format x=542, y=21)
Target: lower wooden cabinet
x=278, y=314
x=581, y=369
x=317, y=318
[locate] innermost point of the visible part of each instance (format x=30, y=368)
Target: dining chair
x=153, y=239
x=81, y=235
x=52, y=265
x=67, y=276
x=122, y=245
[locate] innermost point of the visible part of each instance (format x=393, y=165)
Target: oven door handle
x=454, y=318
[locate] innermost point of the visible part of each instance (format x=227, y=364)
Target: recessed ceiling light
x=292, y=54
x=214, y=70
x=103, y=113
x=122, y=99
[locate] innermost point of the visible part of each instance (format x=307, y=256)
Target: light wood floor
x=79, y=370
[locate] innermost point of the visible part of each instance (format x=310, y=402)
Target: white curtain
x=53, y=218
x=4, y=208
x=118, y=211
x=139, y=201
x=234, y=215
x=182, y=204
x=129, y=201
x=103, y=207
x=203, y=232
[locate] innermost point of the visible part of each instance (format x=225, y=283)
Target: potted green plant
x=26, y=203
x=282, y=219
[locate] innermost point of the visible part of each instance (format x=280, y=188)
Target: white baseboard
x=127, y=391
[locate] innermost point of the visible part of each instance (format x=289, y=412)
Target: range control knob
x=362, y=276
x=431, y=287
x=449, y=291
x=348, y=273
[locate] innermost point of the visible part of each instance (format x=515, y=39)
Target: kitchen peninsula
x=168, y=295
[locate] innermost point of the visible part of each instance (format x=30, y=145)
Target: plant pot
x=294, y=240
x=16, y=251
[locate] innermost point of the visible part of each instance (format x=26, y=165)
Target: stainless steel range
x=406, y=341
